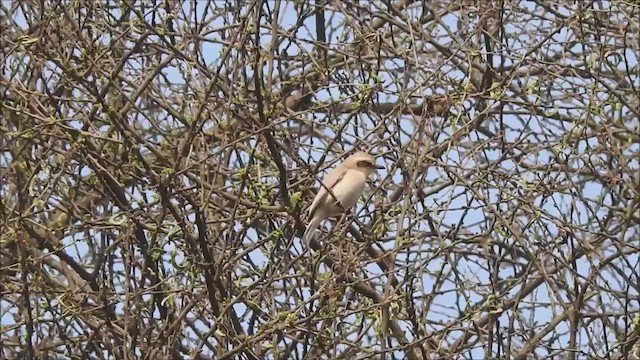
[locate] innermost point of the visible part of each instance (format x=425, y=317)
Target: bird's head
x=363, y=162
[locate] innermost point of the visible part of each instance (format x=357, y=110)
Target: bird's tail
x=311, y=229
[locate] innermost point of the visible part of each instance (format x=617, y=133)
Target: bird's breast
x=350, y=188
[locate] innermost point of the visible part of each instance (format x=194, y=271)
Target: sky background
x=449, y=205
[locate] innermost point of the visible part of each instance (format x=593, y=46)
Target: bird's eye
x=365, y=164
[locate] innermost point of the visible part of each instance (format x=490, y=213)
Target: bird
x=340, y=190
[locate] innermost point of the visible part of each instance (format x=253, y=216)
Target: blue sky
x=450, y=202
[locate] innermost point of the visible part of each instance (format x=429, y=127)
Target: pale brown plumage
x=346, y=184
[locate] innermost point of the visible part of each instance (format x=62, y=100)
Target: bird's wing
x=329, y=182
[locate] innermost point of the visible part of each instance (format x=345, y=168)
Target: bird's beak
x=380, y=167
